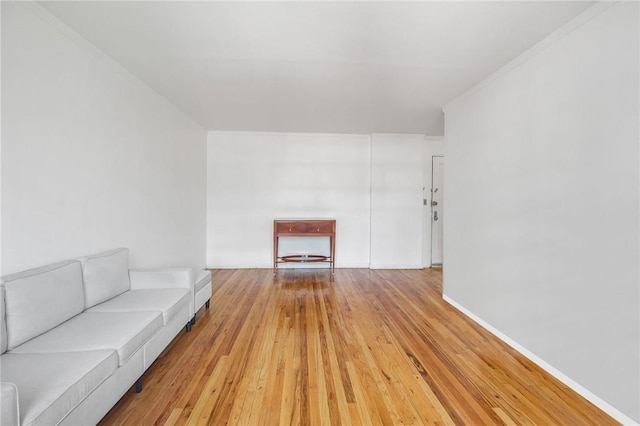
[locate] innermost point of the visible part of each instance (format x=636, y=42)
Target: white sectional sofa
x=76, y=335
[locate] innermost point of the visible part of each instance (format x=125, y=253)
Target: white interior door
x=437, y=204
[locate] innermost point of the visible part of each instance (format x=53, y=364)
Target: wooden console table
x=304, y=228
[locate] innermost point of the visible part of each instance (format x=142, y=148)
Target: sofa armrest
x=144, y=279
x=10, y=410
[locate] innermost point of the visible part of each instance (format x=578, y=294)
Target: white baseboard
x=394, y=266
x=289, y=266
x=588, y=395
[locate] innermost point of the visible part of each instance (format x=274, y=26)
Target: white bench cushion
x=124, y=332
x=39, y=299
x=9, y=408
x=3, y=324
x=51, y=385
x=166, y=300
x=202, y=278
x=105, y=275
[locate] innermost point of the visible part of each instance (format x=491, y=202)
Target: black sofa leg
x=188, y=326
x=193, y=320
x=207, y=303
x=139, y=385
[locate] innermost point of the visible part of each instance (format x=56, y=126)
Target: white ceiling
x=336, y=67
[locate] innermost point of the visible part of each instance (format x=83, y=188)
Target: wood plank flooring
x=363, y=348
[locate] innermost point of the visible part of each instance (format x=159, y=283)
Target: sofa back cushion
x=105, y=275
x=40, y=299
x=3, y=325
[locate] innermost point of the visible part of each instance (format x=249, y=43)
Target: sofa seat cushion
x=202, y=278
x=166, y=300
x=51, y=385
x=124, y=332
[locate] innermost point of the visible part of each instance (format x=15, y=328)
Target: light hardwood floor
x=367, y=347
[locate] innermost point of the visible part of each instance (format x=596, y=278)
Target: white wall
x=372, y=185
x=254, y=178
x=1, y=269
x=396, y=201
x=92, y=159
x=542, y=212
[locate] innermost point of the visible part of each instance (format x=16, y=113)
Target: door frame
x=433, y=157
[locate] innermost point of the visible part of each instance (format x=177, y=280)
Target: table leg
x=275, y=254
x=333, y=254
